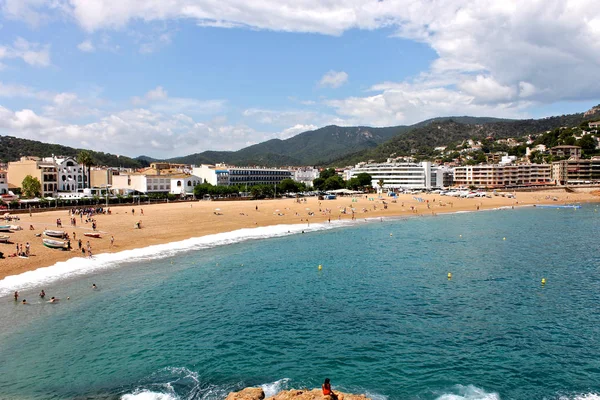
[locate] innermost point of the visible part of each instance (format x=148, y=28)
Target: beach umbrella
x=217, y=209
x=308, y=209
x=276, y=210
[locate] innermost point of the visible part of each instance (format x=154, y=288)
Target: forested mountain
x=317, y=147
x=331, y=145
x=12, y=149
x=424, y=137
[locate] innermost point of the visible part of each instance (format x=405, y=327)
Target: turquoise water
x=381, y=317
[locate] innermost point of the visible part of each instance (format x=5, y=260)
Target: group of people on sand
x=43, y=296
x=20, y=251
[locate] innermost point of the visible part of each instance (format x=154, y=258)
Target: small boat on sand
x=92, y=234
x=4, y=238
x=56, y=234
x=55, y=244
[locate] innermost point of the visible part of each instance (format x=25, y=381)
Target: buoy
x=543, y=281
x=503, y=238
x=241, y=265
x=320, y=267
x=449, y=275
x=391, y=234
x=459, y=235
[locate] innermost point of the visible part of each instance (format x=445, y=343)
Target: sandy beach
x=169, y=222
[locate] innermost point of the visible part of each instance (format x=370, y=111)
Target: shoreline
x=189, y=225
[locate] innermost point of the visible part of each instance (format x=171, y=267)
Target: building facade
x=576, y=171
x=566, y=151
x=3, y=182
x=71, y=175
x=45, y=170
x=400, y=175
x=226, y=175
x=499, y=176
x=306, y=175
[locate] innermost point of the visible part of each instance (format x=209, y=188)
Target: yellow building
x=45, y=171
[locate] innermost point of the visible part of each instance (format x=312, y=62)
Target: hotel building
x=574, y=171
x=226, y=175
x=498, y=176
x=401, y=175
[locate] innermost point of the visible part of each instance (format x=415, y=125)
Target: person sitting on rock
x=327, y=390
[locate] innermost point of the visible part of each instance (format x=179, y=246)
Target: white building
x=401, y=175
x=3, y=182
x=178, y=184
x=184, y=184
x=306, y=175
x=71, y=175
x=227, y=175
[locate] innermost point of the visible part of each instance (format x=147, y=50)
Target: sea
x=368, y=304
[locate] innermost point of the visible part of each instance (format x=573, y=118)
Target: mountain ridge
x=330, y=145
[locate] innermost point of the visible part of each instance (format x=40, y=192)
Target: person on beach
x=112, y=241
x=327, y=390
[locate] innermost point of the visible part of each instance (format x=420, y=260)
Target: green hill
x=317, y=147
x=425, y=136
x=12, y=149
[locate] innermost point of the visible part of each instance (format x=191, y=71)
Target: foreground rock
x=293, y=394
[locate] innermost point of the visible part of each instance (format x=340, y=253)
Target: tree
x=587, y=143
x=319, y=183
x=327, y=173
x=85, y=158
x=201, y=190
x=365, y=179
x=288, y=185
x=31, y=186
x=334, y=183
x=353, y=183
x=380, y=183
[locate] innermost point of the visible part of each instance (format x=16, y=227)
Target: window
x=189, y=183
x=178, y=183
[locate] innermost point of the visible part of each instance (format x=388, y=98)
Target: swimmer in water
x=53, y=300
x=42, y=294
x=94, y=286
x=24, y=302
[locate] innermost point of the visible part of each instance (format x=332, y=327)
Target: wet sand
x=169, y=222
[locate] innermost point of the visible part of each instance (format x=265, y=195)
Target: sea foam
x=80, y=266
x=469, y=392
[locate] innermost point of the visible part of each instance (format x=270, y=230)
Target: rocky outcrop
x=247, y=394
x=292, y=394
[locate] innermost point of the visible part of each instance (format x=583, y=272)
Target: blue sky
x=172, y=78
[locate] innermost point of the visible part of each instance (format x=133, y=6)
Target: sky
x=167, y=78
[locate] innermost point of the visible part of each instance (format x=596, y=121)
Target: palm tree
x=85, y=158
x=380, y=184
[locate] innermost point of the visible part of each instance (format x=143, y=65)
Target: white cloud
x=156, y=94
x=34, y=54
x=86, y=46
x=334, y=79
x=295, y=130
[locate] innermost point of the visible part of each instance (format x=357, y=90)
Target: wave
x=183, y=384
x=148, y=395
x=81, y=266
x=469, y=392
x=585, y=396
x=271, y=389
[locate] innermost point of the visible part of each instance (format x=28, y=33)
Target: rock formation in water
x=293, y=394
